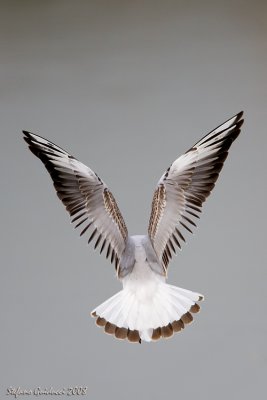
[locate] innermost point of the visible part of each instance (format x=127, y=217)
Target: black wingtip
x=35, y=140
x=239, y=116
x=31, y=135
x=27, y=133
x=27, y=137
x=239, y=119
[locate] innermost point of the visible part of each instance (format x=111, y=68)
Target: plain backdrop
x=127, y=87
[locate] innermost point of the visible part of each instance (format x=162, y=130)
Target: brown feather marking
x=187, y=318
x=133, y=336
x=177, y=326
x=110, y=328
x=195, y=308
x=121, y=333
x=158, y=205
x=101, y=321
x=156, y=335
x=113, y=210
x=167, y=331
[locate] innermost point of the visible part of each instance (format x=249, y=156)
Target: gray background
x=126, y=87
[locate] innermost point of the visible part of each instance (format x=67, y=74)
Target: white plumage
x=146, y=301
x=147, y=308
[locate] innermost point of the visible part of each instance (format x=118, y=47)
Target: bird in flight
x=147, y=308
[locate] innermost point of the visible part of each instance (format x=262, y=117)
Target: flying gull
x=147, y=308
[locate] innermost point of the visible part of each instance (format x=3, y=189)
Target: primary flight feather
x=147, y=308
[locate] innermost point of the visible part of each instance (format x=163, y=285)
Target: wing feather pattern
x=184, y=187
x=86, y=197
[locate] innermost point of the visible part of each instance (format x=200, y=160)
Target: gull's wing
x=185, y=186
x=86, y=197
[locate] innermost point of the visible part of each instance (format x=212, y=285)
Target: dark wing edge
x=181, y=191
x=91, y=205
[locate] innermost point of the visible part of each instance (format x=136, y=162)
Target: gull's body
x=147, y=308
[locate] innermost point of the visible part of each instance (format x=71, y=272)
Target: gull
x=147, y=308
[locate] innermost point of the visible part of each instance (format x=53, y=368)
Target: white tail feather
x=134, y=312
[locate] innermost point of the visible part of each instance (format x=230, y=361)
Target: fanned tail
x=127, y=316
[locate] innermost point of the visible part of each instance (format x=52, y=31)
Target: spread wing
x=86, y=197
x=185, y=186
